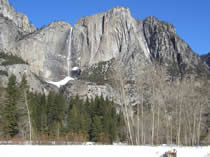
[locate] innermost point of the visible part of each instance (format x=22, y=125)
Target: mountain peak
x=20, y=20
x=119, y=10
x=6, y=9
x=158, y=24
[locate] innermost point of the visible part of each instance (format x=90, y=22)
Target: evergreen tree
x=43, y=115
x=113, y=124
x=34, y=106
x=60, y=112
x=51, y=114
x=96, y=128
x=85, y=118
x=73, y=119
x=9, y=114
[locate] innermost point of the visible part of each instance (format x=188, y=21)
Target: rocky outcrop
x=165, y=45
x=36, y=85
x=86, y=89
x=19, y=19
x=8, y=35
x=206, y=59
x=13, y=25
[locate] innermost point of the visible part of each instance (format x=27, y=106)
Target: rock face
x=8, y=35
x=165, y=44
x=89, y=89
x=19, y=19
x=46, y=51
x=206, y=59
x=19, y=70
x=104, y=36
x=13, y=25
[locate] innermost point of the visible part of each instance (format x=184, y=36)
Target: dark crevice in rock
x=179, y=58
x=103, y=21
x=174, y=43
x=120, y=49
x=88, y=43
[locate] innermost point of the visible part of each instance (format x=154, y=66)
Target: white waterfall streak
x=69, y=53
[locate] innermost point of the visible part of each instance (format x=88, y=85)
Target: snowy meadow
x=96, y=151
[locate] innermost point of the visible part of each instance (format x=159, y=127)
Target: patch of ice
x=61, y=82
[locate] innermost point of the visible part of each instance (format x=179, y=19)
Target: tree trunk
x=153, y=124
x=194, y=132
x=29, y=117
x=171, y=137
x=142, y=118
x=179, y=128
x=138, y=123
x=129, y=127
x=158, y=123
x=123, y=98
x=199, y=124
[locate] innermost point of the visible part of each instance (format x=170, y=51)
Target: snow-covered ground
x=61, y=82
x=98, y=151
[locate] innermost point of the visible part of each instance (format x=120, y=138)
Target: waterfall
x=69, y=52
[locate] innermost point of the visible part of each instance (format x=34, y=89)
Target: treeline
x=9, y=59
x=32, y=116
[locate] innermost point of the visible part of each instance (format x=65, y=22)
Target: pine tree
x=9, y=114
x=34, y=106
x=60, y=112
x=51, y=115
x=96, y=128
x=85, y=121
x=43, y=115
x=113, y=124
x=2, y=99
x=73, y=119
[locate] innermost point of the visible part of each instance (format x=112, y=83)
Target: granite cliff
x=206, y=59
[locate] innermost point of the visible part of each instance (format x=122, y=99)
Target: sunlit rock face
x=13, y=25
x=46, y=50
x=19, y=19
x=104, y=36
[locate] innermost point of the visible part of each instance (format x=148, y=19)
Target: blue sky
x=191, y=18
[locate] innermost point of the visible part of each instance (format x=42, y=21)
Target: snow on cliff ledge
x=61, y=82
